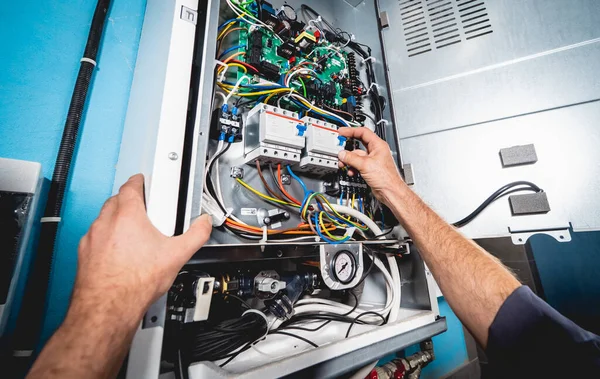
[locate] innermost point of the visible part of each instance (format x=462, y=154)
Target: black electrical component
x=354, y=184
x=268, y=15
x=276, y=217
x=287, y=50
x=269, y=70
x=329, y=90
x=297, y=27
x=353, y=74
x=255, y=44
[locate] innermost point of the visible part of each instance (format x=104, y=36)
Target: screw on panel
x=237, y=172
x=286, y=179
x=173, y=156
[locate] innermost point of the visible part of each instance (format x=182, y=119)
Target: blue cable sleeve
x=341, y=198
x=297, y=178
x=231, y=49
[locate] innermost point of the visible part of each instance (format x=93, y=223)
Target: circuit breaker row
x=277, y=136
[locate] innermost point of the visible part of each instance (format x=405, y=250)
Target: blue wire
x=260, y=99
x=297, y=178
x=228, y=22
x=332, y=242
x=255, y=86
x=341, y=198
x=231, y=49
x=306, y=196
x=360, y=204
x=335, y=119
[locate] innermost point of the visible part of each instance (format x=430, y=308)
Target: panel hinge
x=384, y=20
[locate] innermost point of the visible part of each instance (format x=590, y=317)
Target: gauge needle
x=344, y=266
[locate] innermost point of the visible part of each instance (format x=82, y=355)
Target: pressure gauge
x=344, y=267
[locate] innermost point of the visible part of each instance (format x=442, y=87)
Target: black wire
x=366, y=273
x=364, y=314
x=502, y=191
x=295, y=336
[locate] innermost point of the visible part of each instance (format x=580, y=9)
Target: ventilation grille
x=436, y=24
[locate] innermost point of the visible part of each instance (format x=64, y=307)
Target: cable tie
x=88, y=60
x=371, y=87
x=263, y=240
x=50, y=219
x=225, y=66
x=369, y=58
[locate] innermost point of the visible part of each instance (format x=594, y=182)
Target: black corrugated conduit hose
x=31, y=315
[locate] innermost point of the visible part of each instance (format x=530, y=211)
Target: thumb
x=196, y=236
x=352, y=159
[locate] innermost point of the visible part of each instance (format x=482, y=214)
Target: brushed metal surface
x=533, y=80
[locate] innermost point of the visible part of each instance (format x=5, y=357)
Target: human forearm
x=92, y=341
x=474, y=283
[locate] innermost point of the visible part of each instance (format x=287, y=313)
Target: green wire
x=303, y=86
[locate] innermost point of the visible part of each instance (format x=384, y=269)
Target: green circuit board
x=335, y=64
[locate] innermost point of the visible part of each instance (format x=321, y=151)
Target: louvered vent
x=436, y=24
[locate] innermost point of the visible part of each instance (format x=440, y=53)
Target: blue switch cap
x=342, y=140
x=301, y=129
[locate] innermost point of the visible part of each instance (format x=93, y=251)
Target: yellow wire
x=269, y=98
x=238, y=65
x=325, y=229
x=262, y=195
x=224, y=87
x=353, y=199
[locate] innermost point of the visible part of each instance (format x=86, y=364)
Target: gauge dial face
x=344, y=267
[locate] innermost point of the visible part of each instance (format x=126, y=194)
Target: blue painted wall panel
x=41, y=44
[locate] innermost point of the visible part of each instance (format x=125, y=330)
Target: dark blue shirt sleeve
x=530, y=339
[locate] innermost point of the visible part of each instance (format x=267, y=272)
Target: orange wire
x=283, y=189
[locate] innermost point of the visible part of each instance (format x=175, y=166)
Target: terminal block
x=323, y=143
x=273, y=135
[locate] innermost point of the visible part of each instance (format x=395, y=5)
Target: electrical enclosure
x=443, y=114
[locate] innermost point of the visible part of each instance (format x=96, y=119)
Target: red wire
x=244, y=64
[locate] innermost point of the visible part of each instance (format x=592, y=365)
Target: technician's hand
x=376, y=165
x=124, y=258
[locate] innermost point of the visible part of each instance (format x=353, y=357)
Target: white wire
x=321, y=110
x=313, y=238
x=236, y=87
x=219, y=93
x=301, y=70
x=205, y=184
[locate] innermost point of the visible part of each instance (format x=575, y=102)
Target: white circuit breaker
x=323, y=143
x=273, y=135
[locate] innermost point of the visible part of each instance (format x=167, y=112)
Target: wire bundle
x=502, y=191
x=213, y=342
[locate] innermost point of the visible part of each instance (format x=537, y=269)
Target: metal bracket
x=409, y=174
x=384, y=20
x=327, y=255
x=521, y=237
